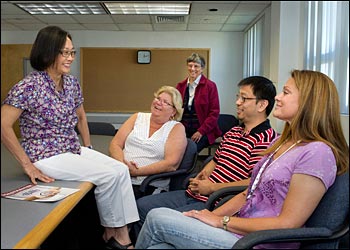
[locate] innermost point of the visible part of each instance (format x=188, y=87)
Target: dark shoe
x=114, y=244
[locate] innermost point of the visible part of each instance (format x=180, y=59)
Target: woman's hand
x=34, y=173
x=196, y=137
x=132, y=167
x=205, y=216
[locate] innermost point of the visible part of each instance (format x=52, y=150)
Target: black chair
x=222, y=195
x=225, y=122
x=325, y=229
x=100, y=128
x=177, y=177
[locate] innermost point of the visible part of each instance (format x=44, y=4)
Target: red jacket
x=207, y=106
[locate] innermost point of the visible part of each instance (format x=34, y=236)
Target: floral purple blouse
x=49, y=116
x=314, y=158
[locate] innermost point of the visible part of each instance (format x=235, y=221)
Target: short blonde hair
x=175, y=97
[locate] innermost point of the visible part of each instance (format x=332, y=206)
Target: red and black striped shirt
x=238, y=153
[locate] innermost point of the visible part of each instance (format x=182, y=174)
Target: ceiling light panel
x=85, y=8
x=148, y=8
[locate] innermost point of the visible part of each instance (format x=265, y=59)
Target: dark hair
x=197, y=59
x=263, y=88
x=48, y=43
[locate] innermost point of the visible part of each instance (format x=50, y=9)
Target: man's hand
x=203, y=186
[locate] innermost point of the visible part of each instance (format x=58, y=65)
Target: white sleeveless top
x=145, y=150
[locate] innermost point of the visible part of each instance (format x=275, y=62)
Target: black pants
x=139, y=194
x=203, y=143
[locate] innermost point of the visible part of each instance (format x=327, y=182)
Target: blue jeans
x=169, y=229
x=177, y=200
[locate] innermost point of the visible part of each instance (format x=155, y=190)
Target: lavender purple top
x=49, y=116
x=314, y=158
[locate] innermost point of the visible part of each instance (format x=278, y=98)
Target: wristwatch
x=225, y=220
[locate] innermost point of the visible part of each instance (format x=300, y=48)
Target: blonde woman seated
x=152, y=143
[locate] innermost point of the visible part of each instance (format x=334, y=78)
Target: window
x=253, y=41
x=327, y=44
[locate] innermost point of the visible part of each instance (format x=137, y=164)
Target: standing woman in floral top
x=49, y=104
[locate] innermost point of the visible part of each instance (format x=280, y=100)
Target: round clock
x=144, y=56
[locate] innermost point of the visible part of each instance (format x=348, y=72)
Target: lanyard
x=266, y=163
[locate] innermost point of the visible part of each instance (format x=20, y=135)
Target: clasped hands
x=200, y=184
x=132, y=167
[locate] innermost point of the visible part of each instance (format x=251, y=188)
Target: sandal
x=114, y=244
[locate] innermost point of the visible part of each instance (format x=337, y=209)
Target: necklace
x=263, y=167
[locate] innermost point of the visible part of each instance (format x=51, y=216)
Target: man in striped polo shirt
x=234, y=159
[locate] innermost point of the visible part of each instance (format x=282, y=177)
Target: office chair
x=225, y=122
x=100, y=128
x=177, y=177
x=325, y=229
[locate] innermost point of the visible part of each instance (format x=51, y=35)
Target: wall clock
x=144, y=56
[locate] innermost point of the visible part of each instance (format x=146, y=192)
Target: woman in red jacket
x=201, y=104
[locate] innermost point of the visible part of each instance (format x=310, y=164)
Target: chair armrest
x=221, y=193
x=282, y=235
x=145, y=184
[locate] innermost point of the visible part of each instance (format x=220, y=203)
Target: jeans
x=177, y=200
x=169, y=229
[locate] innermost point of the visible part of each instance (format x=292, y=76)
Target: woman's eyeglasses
x=163, y=102
x=67, y=53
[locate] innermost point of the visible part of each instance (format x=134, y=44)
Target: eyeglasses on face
x=163, y=102
x=243, y=99
x=67, y=53
x=193, y=64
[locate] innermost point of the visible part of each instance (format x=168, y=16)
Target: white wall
x=226, y=51
x=283, y=50
x=287, y=46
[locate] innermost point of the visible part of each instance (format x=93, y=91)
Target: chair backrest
x=101, y=128
x=226, y=122
x=188, y=163
x=332, y=211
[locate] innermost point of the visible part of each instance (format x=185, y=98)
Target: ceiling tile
x=205, y=27
x=240, y=19
x=234, y=27
x=135, y=27
x=17, y=19
x=32, y=26
x=170, y=27
x=249, y=9
x=70, y=26
x=207, y=19
x=93, y=18
x=7, y=8
x=131, y=18
x=56, y=19
x=222, y=9
x=101, y=26
x=230, y=16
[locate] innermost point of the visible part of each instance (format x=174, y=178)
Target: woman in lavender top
x=286, y=184
x=49, y=104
